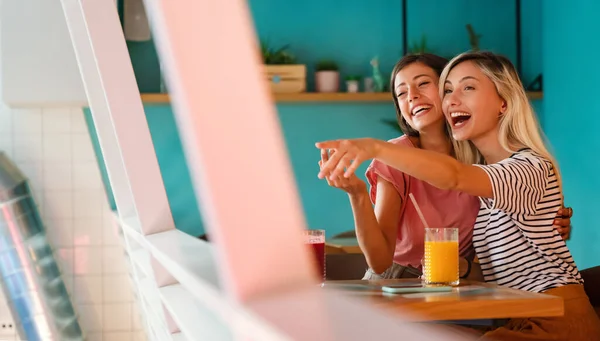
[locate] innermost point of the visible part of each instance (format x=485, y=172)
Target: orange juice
x=441, y=262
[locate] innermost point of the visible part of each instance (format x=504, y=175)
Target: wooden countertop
x=468, y=301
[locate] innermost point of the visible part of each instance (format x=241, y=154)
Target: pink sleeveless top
x=441, y=208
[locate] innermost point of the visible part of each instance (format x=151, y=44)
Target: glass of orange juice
x=441, y=256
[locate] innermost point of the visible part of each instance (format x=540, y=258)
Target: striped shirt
x=514, y=239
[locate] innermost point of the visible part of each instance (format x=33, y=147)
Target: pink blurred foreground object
x=247, y=192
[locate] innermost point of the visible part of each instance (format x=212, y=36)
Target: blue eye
x=447, y=91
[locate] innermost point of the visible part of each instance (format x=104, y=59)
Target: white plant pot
x=352, y=86
x=327, y=81
x=369, y=86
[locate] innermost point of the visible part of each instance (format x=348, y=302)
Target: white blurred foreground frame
x=255, y=281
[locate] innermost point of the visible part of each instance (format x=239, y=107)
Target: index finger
x=333, y=144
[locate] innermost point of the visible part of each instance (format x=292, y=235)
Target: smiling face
x=471, y=103
x=416, y=89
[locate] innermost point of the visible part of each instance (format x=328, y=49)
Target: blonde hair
x=519, y=126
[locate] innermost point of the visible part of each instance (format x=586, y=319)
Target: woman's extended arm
x=441, y=171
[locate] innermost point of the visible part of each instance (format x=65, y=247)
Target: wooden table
x=468, y=301
x=342, y=245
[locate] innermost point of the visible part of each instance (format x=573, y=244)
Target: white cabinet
x=37, y=63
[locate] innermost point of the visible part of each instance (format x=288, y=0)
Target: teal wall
x=350, y=32
x=572, y=114
x=172, y=165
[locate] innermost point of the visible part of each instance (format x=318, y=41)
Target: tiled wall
x=53, y=148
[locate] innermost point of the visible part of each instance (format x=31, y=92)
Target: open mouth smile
x=459, y=119
x=421, y=110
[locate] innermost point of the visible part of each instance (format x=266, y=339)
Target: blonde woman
x=518, y=185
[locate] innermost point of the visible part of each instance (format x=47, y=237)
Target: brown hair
x=436, y=63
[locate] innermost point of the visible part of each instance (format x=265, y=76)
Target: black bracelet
x=468, y=269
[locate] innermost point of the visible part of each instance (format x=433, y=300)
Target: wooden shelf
x=300, y=97
x=335, y=97
x=156, y=98
x=320, y=97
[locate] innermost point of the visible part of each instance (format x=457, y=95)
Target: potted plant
x=473, y=38
x=284, y=74
x=419, y=47
x=327, y=76
x=352, y=83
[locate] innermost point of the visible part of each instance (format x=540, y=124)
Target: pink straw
x=412, y=198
